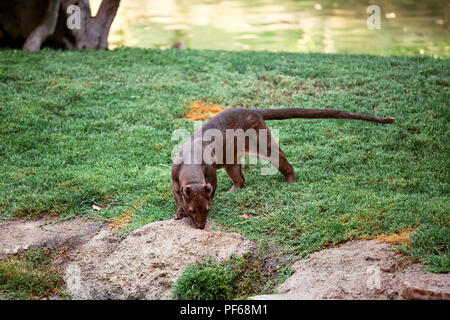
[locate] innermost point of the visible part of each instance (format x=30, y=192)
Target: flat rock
x=19, y=235
x=146, y=263
x=362, y=269
x=426, y=287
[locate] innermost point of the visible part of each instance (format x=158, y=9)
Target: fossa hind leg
x=278, y=159
x=235, y=173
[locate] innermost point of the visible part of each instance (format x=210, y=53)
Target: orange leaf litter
x=202, y=110
x=122, y=221
x=396, y=238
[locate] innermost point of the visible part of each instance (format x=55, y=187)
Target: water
x=408, y=27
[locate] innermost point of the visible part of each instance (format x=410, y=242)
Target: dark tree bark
x=32, y=24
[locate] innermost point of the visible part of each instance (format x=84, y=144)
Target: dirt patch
x=202, y=110
x=356, y=270
x=146, y=263
x=21, y=235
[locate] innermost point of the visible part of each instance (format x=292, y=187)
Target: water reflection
x=407, y=26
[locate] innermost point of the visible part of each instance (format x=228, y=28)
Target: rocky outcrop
x=147, y=262
x=426, y=287
x=363, y=269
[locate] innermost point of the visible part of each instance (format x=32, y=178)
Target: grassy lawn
x=84, y=128
x=31, y=276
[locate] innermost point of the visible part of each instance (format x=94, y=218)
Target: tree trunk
x=32, y=24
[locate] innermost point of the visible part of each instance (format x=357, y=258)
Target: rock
x=426, y=287
x=96, y=208
x=20, y=235
x=147, y=262
x=363, y=269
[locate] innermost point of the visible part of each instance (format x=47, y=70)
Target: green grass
x=431, y=244
x=30, y=276
x=205, y=281
x=83, y=128
x=235, y=278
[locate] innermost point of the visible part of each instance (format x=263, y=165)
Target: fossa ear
x=186, y=191
x=209, y=189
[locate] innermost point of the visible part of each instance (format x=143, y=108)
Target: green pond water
x=407, y=27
